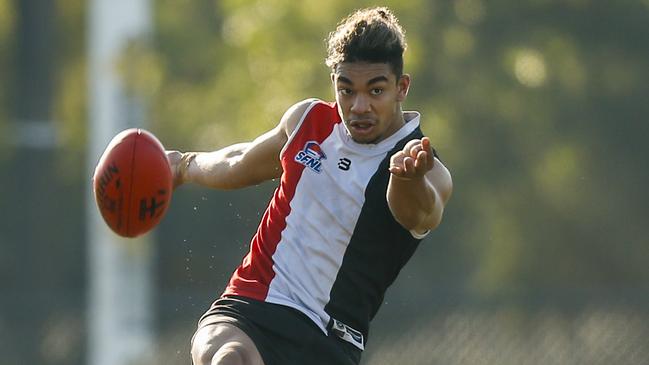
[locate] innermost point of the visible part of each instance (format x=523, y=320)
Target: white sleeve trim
x=418, y=235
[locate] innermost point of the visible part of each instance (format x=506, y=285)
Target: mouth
x=361, y=126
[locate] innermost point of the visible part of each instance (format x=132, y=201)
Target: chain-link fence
x=592, y=335
x=589, y=336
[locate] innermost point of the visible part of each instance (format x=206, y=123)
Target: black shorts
x=283, y=335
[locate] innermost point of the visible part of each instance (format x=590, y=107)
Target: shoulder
x=295, y=114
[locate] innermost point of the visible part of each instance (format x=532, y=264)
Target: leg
x=224, y=344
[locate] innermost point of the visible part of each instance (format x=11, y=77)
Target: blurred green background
x=538, y=107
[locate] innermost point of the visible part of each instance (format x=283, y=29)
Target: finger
x=410, y=145
x=396, y=170
x=396, y=163
x=409, y=165
x=172, y=156
x=415, y=151
x=425, y=144
x=397, y=158
x=421, y=163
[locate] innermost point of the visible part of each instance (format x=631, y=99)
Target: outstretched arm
x=419, y=186
x=241, y=164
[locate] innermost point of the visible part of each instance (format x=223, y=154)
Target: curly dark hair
x=370, y=35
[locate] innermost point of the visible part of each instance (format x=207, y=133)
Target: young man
x=360, y=187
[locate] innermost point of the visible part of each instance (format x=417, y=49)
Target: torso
x=328, y=244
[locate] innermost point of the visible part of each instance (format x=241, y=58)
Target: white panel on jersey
x=310, y=251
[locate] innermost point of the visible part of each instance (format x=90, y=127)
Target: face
x=369, y=99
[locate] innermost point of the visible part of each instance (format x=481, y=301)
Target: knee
x=231, y=353
x=202, y=354
x=214, y=345
x=204, y=346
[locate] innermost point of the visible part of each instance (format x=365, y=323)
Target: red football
x=133, y=183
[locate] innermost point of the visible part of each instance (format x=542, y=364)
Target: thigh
x=224, y=341
x=281, y=335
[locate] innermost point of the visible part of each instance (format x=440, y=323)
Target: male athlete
x=360, y=186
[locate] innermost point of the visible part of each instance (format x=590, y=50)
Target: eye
x=376, y=91
x=344, y=91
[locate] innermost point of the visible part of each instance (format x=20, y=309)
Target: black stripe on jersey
x=379, y=247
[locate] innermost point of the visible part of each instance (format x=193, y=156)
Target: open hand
x=414, y=161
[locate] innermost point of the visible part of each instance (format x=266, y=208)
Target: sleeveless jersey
x=328, y=244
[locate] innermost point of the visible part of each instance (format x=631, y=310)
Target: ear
x=403, y=85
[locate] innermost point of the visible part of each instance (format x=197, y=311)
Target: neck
x=398, y=122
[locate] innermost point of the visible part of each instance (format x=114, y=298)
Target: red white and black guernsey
x=328, y=244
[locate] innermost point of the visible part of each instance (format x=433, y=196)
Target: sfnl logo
x=311, y=156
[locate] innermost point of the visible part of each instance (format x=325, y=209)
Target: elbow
x=420, y=221
x=408, y=221
x=433, y=224
x=417, y=212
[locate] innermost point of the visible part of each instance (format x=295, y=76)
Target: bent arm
x=241, y=164
x=419, y=187
x=238, y=165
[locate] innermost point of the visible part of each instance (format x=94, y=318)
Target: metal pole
x=120, y=313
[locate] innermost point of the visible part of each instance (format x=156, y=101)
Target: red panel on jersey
x=252, y=279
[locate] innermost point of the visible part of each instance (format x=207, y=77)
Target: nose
x=361, y=104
